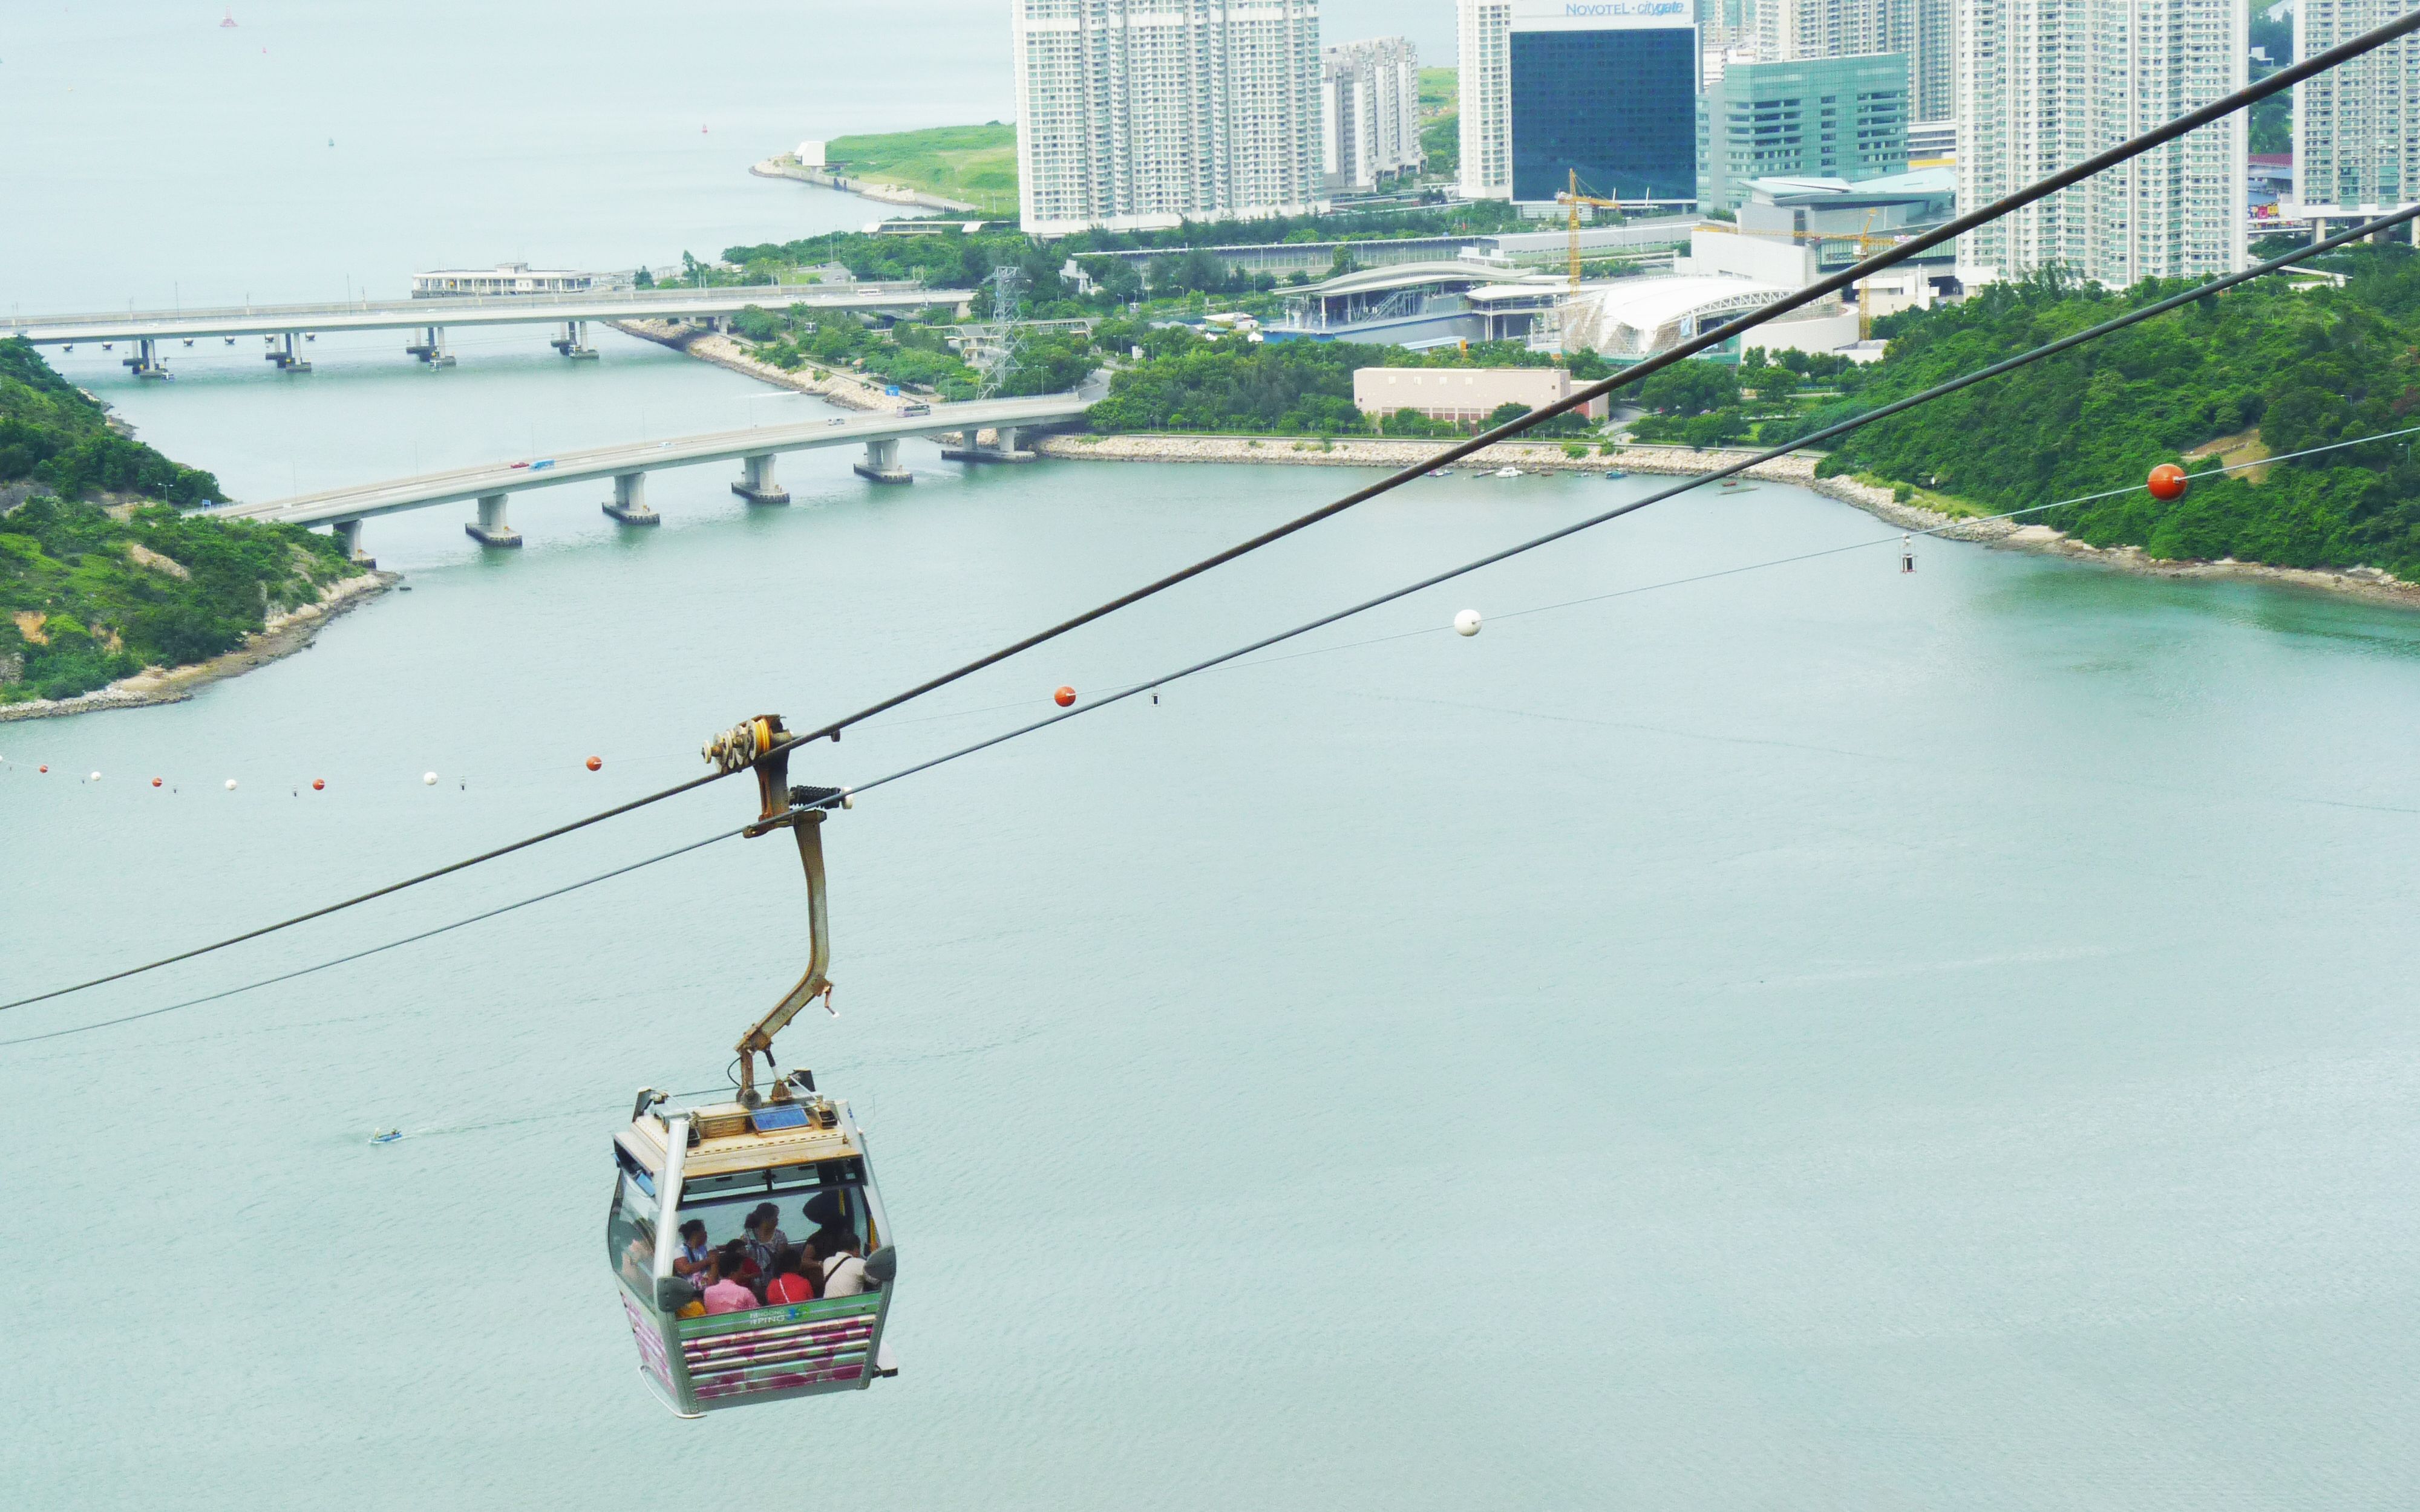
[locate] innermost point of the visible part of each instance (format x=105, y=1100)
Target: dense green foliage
x=78, y=609
x=79, y=605
x=52, y=436
x=975, y=164
x=2304, y=368
x=1291, y=388
x=2271, y=121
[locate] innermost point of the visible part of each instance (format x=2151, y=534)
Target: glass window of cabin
x=630, y=1231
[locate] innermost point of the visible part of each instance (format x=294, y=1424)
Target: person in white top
x=837, y=1263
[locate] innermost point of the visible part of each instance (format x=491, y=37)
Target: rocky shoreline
x=284, y=635
x=2370, y=584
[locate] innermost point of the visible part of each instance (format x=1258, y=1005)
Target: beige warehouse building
x=1462, y=394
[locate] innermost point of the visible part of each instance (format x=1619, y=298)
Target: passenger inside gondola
x=694, y=1253
x=840, y=1270
x=790, y=1283
x=764, y=1237
x=727, y=1292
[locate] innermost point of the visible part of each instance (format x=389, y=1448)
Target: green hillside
x=93, y=588
x=2268, y=365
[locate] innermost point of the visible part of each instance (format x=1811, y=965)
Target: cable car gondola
x=711, y=1168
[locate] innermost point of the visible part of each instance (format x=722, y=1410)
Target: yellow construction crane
x=1572, y=199
x=1866, y=243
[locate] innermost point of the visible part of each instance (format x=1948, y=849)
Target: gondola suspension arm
x=762, y=743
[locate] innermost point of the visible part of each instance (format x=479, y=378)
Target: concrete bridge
x=628, y=463
x=286, y=327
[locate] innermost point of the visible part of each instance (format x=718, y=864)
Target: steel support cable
x=1842, y=428
x=2218, y=108
x=2132, y=317
x=376, y=949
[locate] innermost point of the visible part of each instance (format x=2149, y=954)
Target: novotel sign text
x=1592, y=15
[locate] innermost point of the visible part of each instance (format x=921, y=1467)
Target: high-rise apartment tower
x=2357, y=126
x=2046, y=84
x=1139, y=113
x=1371, y=112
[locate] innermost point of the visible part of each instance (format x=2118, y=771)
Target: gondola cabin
x=750, y=1244
x=717, y=1167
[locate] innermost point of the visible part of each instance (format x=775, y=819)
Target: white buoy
x=94, y=777
x=230, y=784
x=429, y=779
x=1466, y=622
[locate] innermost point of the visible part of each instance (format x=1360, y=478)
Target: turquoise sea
x=1814, y=1038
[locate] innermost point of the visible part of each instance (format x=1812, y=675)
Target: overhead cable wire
x=377, y=949
x=2193, y=120
x=1899, y=407
x=1965, y=521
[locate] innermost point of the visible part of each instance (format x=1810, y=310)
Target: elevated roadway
x=285, y=326
x=628, y=463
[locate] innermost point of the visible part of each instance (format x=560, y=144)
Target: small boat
x=1440, y=472
x=1506, y=473
x=1615, y=474
x=229, y=20
x=386, y=1136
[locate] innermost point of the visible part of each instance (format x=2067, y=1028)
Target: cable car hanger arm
x=762, y=745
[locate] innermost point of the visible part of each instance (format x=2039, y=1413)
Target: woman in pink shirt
x=726, y=1293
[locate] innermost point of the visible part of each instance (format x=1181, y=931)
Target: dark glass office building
x=1618, y=105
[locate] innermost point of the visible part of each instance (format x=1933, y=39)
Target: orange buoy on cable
x=596, y=764
x=2168, y=483
x=319, y=784
x=1065, y=697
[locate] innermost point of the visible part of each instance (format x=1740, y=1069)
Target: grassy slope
x=973, y=163
x=1440, y=122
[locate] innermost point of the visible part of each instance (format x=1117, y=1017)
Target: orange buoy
x=596, y=764
x=319, y=784
x=1063, y=697
x=2168, y=483
x=44, y=767
x=155, y=781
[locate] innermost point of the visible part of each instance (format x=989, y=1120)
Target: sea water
x=1816, y=1037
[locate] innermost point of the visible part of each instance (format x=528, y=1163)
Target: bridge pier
x=286, y=351
x=630, y=503
x=1002, y=447
x=881, y=464
x=349, y=541
x=146, y=360
x=757, y=484
x=573, y=343
x=491, y=529
x=431, y=348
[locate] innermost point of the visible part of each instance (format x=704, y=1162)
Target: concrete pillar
x=431, y=348
x=146, y=360
x=491, y=529
x=881, y=464
x=286, y=351
x=573, y=343
x=630, y=503
x=349, y=540
x=756, y=484
x=1002, y=447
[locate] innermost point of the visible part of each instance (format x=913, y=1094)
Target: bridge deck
x=502, y=309
x=419, y=491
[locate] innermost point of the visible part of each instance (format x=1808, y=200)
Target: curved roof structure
x=1412, y=275
x=1641, y=317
